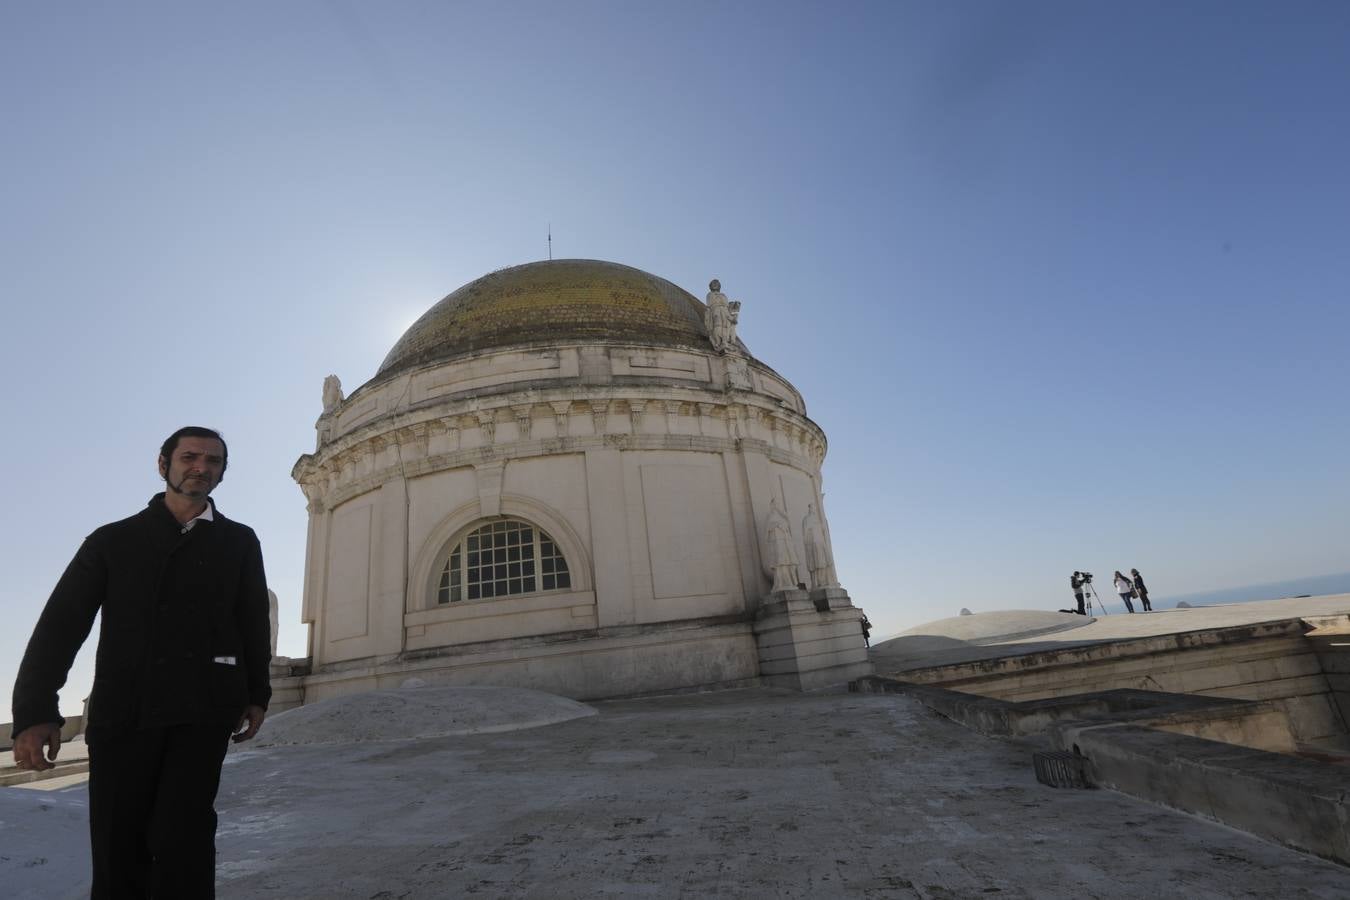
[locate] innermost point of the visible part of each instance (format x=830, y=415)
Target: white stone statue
x=721, y=318
x=818, y=561
x=782, y=556
x=332, y=393
x=273, y=618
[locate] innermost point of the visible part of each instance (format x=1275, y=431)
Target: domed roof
x=554, y=300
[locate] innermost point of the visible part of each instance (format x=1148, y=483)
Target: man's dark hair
x=171, y=444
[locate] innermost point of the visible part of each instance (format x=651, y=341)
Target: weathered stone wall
x=1271, y=661
x=613, y=662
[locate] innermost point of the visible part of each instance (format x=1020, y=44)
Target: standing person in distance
x=1125, y=589
x=182, y=664
x=1140, y=590
x=1076, y=584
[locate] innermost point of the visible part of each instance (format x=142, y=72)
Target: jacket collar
x=158, y=511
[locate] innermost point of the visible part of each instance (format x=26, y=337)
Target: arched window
x=500, y=559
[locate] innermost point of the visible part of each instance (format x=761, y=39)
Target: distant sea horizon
x=1313, y=586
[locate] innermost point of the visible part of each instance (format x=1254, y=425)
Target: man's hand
x=253, y=715
x=28, y=746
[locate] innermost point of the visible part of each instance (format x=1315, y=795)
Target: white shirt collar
x=206, y=515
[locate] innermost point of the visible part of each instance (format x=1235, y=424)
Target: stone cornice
x=416, y=428
x=396, y=447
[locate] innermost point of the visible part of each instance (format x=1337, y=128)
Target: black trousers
x=152, y=817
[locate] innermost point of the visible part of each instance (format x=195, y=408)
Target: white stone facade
x=651, y=470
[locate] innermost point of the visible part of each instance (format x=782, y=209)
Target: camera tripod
x=1089, y=595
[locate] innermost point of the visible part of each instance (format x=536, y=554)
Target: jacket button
x=159, y=660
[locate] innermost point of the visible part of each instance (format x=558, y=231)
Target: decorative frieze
x=705, y=414
x=600, y=415
x=443, y=436
x=413, y=440
x=561, y=416
x=314, y=495
x=736, y=422
x=365, y=459
x=523, y=421
x=487, y=424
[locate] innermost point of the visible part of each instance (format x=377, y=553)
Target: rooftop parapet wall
x=1161, y=747
x=1330, y=640
x=1265, y=661
x=1294, y=802
x=1261, y=725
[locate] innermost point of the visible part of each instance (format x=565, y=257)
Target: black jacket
x=177, y=606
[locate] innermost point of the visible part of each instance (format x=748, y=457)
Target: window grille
x=502, y=559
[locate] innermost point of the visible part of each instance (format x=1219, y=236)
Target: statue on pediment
x=332, y=393
x=818, y=561
x=721, y=317
x=782, y=555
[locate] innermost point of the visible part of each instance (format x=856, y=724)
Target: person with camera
x=1125, y=589
x=1076, y=583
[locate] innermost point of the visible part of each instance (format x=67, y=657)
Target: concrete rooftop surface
x=750, y=793
x=1010, y=632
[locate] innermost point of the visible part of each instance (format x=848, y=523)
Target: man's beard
x=194, y=494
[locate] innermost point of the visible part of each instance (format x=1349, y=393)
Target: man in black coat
x=1140, y=589
x=182, y=664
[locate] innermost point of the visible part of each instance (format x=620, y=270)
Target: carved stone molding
x=313, y=494
x=487, y=423
x=561, y=415
x=523, y=421
x=738, y=374
x=413, y=441
x=735, y=422
x=705, y=414
x=489, y=487
x=600, y=415
x=636, y=410
x=672, y=408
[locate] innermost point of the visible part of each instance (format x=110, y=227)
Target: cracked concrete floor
x=752, y=793
x=739, y=794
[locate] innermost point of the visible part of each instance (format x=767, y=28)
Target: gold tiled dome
x=552, y=301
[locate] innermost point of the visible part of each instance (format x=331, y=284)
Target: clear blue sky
x=1066, y=284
